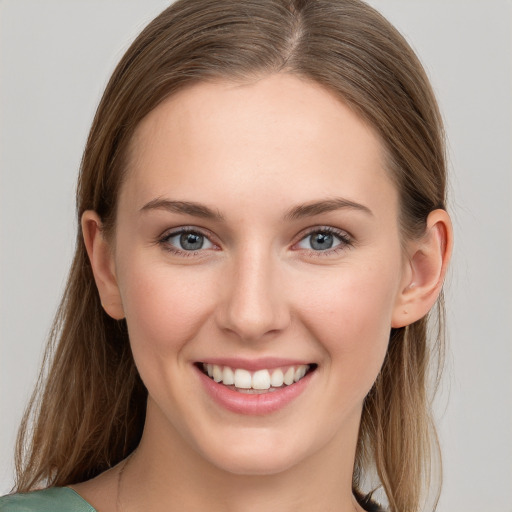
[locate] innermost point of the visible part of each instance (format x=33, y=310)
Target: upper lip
x=254, y=364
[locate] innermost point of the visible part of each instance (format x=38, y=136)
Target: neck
x=167, y=474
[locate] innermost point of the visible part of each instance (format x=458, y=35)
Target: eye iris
x=321, y=241
x=191, y=241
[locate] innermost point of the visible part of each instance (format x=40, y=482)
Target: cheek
x=351, y=319
x=164, y=307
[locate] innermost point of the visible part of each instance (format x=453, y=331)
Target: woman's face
x=257, y=231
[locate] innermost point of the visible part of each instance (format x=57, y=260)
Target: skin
x=252, y=153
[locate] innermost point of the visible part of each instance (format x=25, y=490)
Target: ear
x=426, y=268
x=102, y=263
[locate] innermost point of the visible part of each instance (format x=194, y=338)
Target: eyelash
x=346, y=241
x=163, y=241
x=344, y=238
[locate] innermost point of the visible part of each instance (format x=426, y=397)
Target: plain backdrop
x=55, y=59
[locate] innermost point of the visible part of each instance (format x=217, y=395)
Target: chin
x=255, y=463
x=257, y=452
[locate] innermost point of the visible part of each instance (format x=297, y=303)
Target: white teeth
x=243, y=379
x=228, y=377
x=289, y=375
x=299, y=373
x=277, y=378
x=217, y=373
x=259, y=380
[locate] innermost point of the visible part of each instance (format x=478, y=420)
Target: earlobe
x=427, y=265
x=102, y=263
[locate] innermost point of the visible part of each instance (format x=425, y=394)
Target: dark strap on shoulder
x=366, y=501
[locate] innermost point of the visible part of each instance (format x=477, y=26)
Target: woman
x=263, y=233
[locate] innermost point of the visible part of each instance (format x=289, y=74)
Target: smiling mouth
x=257, y=382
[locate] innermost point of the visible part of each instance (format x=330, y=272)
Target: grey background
x=55, y=59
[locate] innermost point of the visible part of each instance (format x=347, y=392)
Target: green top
x=54, y=499
x=64, y=499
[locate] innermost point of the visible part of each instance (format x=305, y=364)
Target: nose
x=253, y=304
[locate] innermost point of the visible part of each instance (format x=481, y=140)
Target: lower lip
x=253, y=404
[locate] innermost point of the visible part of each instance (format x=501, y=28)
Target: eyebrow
x=323, y=206
x=185, y=207
x=297, y=212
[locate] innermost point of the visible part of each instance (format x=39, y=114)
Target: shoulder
x=54, y=499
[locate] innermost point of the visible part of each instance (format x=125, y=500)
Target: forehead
x=281, y=136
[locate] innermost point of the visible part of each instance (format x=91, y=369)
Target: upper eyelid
x=187, y=229
x=342, y=233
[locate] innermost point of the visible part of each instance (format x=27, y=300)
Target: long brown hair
x=88, y=410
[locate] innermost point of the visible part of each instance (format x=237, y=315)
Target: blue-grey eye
x=320, y=241
x=189, y=241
